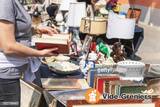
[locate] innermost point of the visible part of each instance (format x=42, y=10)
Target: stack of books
x=60, y=41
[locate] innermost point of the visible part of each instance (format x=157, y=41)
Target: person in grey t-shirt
x=15, y=26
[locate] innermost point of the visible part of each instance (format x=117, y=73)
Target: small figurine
x=118, y=53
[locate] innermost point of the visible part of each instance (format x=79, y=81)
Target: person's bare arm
x=9, y=45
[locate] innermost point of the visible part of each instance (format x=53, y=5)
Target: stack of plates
x=63, y=67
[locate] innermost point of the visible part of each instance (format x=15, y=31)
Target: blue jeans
x=9, y=93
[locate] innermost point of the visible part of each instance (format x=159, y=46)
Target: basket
x=130, y=69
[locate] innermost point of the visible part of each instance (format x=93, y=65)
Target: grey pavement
x=149, y=50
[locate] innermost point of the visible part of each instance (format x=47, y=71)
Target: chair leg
x=133, y=49
x=128, y=46
x=138, y=44
x=133, y=56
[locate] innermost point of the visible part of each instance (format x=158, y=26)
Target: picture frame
x=31, y=95
x=100, y=82
x=100, y=70
x=63, y=84
x=126, y=86
x=63, y=96
x=112, y=103
x=50, y=99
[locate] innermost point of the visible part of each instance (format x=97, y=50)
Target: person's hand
x=48, y=52
x=47, y=30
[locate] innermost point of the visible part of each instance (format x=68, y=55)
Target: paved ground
x=149, y=51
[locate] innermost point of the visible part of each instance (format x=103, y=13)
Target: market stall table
x=56, y=97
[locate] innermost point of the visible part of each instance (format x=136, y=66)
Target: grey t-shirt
x=13, y=11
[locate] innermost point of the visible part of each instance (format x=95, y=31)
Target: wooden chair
x=134, y=13
x=139, y=31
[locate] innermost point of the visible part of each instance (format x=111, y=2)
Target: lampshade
x=64, y=5
x=77, y=11
x=94, y=26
